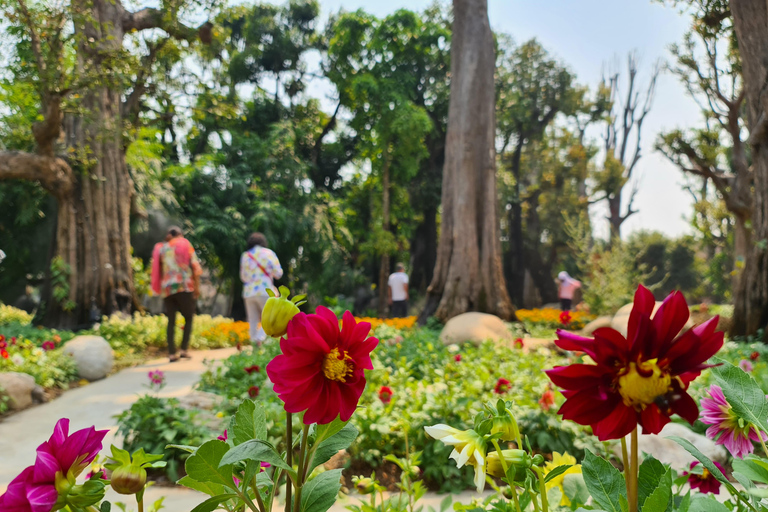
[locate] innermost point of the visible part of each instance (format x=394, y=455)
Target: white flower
x=17, y=359
x=453, y=348
x=38, y=352
x=468, y=448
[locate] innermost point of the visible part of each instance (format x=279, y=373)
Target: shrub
x=50, y=368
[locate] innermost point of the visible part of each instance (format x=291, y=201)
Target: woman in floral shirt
x=259, y=267
x=176, y=277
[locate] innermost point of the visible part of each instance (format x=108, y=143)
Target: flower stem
x=627, y=468
x=633, y=474
x=543, y=491
x=762, y=441
x=504, y=467
x=288, y=458
x=300, y=473
x=259, y=500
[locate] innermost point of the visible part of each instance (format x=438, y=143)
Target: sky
x=587, y=36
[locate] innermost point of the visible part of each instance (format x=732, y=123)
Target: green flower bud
x=538, y=459
x=507, y=492
x=278, y=311
x=518, y=459
x=128, y=479
x=364, y=485
x=506, y=425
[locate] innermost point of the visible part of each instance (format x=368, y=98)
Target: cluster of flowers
x=398, y=323
x=9, y=345
x=236, y=332
x=550, y=317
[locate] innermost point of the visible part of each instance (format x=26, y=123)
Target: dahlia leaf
x=604, y=482
x=205, y=465
x=213, y=503
x=209, y=488
x=255, y=450
x=661, y=497
x=702, y=504
x=323, y=432
x=752, y=469
x=743, y=394
x=331, y=446
x=651, y=473
x=575, y=489
x=707, y=462
x=249, y=422
x=559, y=470
x=320, y=493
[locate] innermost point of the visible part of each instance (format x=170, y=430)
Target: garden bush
x=48, y=364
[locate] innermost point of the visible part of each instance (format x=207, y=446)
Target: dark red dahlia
x=322, y=368
x=705, y=482
x=754, y=356
x=253, y=391
x=385, y=394
x=502, y=386
x=252, y=369
x=641, y=379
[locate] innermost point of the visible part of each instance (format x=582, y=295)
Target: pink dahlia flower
x=322, y=367
x=726, y=428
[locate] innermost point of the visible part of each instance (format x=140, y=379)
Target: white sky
x=586, y=35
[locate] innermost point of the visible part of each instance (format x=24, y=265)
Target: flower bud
x=278, y=311
x=518, y=459
x=128, y=479
x=505, y=424
x=364, y=485
x=507, y=492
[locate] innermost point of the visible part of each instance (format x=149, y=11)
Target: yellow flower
x=219, y=414
x=468, y=448
x=561, y=460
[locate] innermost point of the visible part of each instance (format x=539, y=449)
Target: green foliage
x=50, y=368
x=152, y=423
x=11, y=315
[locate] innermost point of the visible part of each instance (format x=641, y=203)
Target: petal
x=60, y=433
x=588, y=407
x=327, y=329
x=618, y=424
x=643, y=305
x=42, y=498
x=578, y=376
x=670, y=318
x=46, y=466
x=652, y=419
x=685, y=407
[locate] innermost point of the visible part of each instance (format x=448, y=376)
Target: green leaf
x=206, y=465
x=183, y=447
x=323, y=432
x=213, y=503
x=659, y=499
x=744, y=396
x=604, y=482
x=651, y=473
x=331, y=446
x=105, y=507
x=751, y=469
x=446, y=503
x=559, y=470
x=250, y=422
x=320, y=493
x=575, y=488
x=209, y=488
x=714, y=470
x=702, y=504
x=256, y=450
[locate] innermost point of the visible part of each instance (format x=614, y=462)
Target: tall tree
x=89, y=98
x=468, y=274
x=533, y=89
x=750, y=19
x=630, y=105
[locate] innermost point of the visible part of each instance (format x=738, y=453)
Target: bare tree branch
x=54, y=174
x=149, y=18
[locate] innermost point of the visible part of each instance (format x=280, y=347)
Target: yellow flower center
x=705, y=474
x=337, y=365
x=643, y=383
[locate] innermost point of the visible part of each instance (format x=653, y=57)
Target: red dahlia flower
x=547, y=400
x=4, y=354
x=48, y=345
x=502, y=386
x=754, y=356
x=519, y=343
x=385, y=394
x=457, y=358
x=253, y=391
x=705, y=482
x=321, y=369
x=641, y=379
x=565, y=317
x=252, y=369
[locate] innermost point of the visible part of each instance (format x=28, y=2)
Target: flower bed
x=554, y=318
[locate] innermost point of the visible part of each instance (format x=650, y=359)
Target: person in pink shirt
x=566, y=289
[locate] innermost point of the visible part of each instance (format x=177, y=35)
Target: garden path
x=97, y=403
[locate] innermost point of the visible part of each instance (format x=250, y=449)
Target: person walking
x=566, y=288
x=398, y=292
x=259, y=267
x=176, y=274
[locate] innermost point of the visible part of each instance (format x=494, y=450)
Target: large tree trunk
x=516, y=264
x=384, y=266
x=468, y=274
x=93, y=226
x=750, y=19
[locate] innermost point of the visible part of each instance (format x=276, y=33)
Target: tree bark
x=468, y=273
x=750, y=19
x=516, y=266
x=384, y=266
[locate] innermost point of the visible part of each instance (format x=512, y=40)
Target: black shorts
x=399, y=309
x=565, y=304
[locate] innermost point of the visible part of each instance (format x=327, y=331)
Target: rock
x=597, y=323
x=18, y=388
x=38, y=395
x=92, y=354
x=669, y=452
x=199, y=400
x=475, y=328
x=534, y=344
x=338, y=461
x=621, y=318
